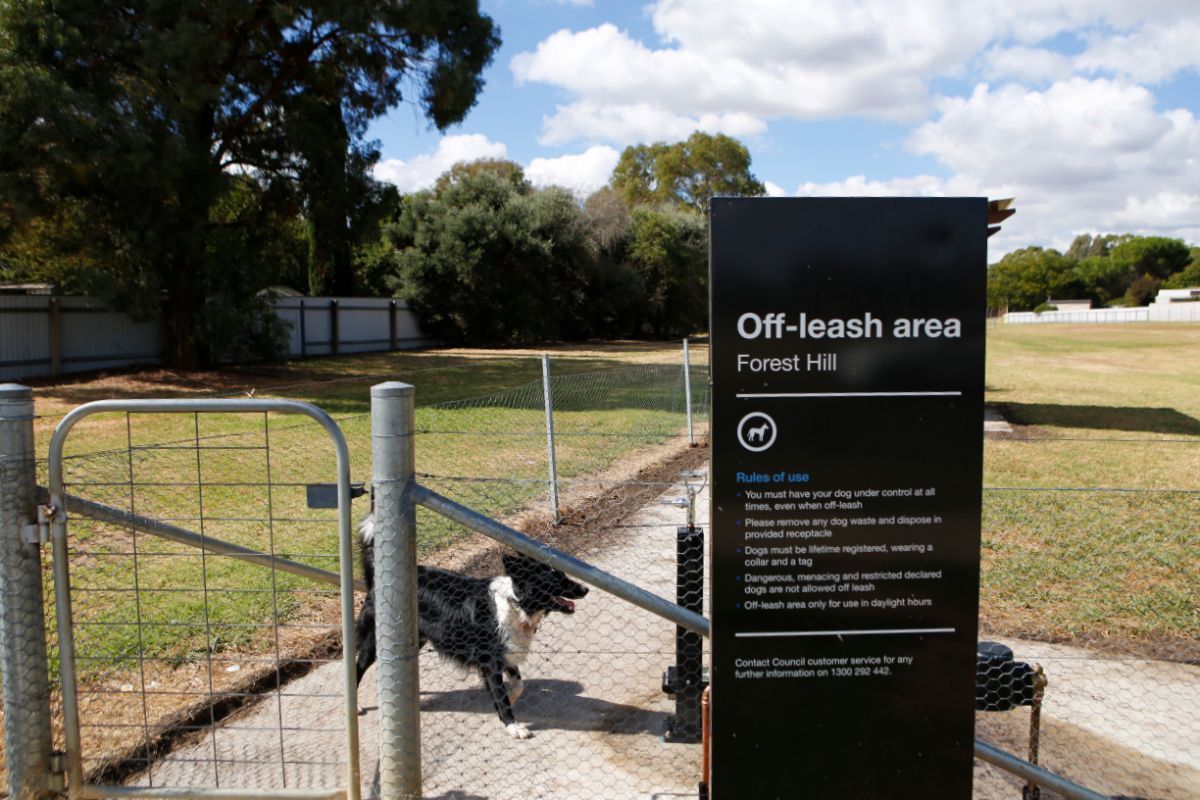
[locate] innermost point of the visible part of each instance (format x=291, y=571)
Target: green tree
x=668, y=248
x=1187, y=277
x=1104, y=279
x=1085, y=245
x=1142, y=290
x=686, y=173
x=135, y=116
x=1026, y=278
x=486, y=261
x=1155, y=256
x=507, y=171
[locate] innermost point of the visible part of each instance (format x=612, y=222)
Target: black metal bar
x=392, y=325
x=333, y=327
x=685, y=680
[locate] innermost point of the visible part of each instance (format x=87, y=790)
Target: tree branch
x=290, y=68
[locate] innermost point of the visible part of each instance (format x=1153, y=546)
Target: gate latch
x=39, y=532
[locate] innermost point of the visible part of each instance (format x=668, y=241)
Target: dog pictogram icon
x=756, y=432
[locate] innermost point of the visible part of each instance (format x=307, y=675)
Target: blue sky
x=1085, y=111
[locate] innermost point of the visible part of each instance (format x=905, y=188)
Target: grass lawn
x=1091, y=524
x=1106, y=409
x=1092, y=516
x=242, y=478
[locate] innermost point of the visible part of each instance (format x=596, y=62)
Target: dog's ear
x=514, y=563
x=522, y=567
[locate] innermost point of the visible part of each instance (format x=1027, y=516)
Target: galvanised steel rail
x=210, y=544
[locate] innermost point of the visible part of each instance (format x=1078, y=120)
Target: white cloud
x=1153, y=53
x=774, y=189
x=643, y=122
x=423, y=171
x=582, y=174
x=1082, y=155
x=740, y=65
x=1025, y=64
x=860, y=186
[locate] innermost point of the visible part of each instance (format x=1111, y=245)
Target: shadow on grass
x=1115, y=418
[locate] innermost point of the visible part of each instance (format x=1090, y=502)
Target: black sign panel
x=847, y=438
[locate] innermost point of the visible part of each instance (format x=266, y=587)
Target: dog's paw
x=519, y=731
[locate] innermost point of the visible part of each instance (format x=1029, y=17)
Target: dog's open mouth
x=565, y=605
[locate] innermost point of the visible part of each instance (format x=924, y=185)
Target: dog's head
x=541, y=588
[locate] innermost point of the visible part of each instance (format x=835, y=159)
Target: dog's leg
x=516, y=686
x=494, y=678
x=365, y=633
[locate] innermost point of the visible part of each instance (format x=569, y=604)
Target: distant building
x=1177, y=295
x=1071, y=305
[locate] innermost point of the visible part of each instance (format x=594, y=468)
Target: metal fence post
x=22, y=624
x=56, y=342
x=393, y=482
x=335, y=334
x=551, y=460
x=687, y=391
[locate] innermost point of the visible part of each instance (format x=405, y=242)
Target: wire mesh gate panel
x=159, y=641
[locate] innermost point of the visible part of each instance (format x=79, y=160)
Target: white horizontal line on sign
x=880, y=632
x=847, y=394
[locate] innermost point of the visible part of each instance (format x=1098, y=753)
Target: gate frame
x=57, y=519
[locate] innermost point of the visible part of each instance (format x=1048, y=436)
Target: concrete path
x=594, y=703
x=593, y=700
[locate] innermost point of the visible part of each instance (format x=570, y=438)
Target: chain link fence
x=1094, y=580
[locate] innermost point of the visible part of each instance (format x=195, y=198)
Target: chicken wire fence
x=174, y=642
x=1099, y=588
x=181, y=651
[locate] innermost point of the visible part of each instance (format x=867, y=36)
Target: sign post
x=847, y=451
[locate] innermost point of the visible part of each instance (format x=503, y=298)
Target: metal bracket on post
x=39, y=532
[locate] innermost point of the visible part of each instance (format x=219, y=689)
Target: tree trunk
x=179, y=313
x=331, y=270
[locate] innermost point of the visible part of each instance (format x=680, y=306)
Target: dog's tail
x=366, y=547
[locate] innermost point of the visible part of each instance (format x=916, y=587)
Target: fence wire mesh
x=1089, y=571
x=591, y=671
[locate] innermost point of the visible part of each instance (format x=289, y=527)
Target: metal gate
x=53, y=525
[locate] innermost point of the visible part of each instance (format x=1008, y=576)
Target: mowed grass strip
x=1091, y=521
x=242, y=477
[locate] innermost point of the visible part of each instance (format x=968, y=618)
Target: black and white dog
x=480, y=623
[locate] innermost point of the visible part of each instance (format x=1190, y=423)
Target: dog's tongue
x=567, y=603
